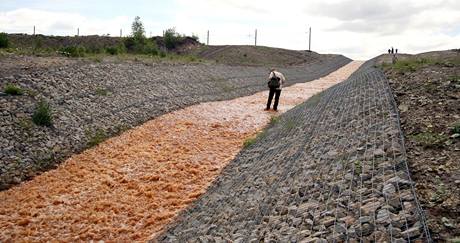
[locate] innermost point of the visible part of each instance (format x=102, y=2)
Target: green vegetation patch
x=13, y=89
x=96, y=137
x=42, y=115
x=429, y=139
x=4, y=42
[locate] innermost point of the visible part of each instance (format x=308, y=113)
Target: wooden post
x=78, y=31
x=255, y=38
x=309, y=40
x=207, y=38
x=121, y=32
x=34, y=29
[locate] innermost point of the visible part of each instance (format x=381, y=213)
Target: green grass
x=429, y=139
x=42, y=115
x=274, y=120
x=102, y=92
x=358, y=167
x=96, y=137
x=13, y=89
x=456, y=127
x=249, y=141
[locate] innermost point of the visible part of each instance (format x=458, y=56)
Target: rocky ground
x=129, y=187
x=91, y=101
x=428, y=97
x=332, y=169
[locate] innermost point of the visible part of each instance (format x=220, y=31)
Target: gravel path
x=129, y=187
x=332, y=169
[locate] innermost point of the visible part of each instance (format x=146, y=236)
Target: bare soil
x=428, y=97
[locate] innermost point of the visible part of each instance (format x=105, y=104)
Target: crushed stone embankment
x=332, y=169
x=129, y=187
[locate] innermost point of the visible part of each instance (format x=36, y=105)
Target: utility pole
x=78, y=31
x=34, y=29
x=255, y=38
x=121, y=32
x=309, y=39
x=207, y=38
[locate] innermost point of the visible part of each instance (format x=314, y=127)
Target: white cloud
x=59, y=23
x=359, y=29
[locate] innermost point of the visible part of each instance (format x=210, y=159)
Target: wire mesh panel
x=333, y=169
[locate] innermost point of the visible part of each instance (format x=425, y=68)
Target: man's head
x=272, y=69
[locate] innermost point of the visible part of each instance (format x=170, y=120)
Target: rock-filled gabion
x=91, y=101
x=333, y=169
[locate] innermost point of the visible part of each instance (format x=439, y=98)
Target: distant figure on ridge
x=392, y=50
x=275, y=83
x=396, y=50
x=389, y=51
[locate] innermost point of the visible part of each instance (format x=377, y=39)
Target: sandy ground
x=129, y=187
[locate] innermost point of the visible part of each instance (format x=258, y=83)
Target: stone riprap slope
x=94, y=100
x=332, y=169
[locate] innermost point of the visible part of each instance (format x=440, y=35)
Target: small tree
x=171, y=38
x=137, y=29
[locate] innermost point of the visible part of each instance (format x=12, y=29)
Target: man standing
x=276, y=81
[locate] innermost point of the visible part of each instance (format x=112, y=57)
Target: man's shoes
x=266, y=109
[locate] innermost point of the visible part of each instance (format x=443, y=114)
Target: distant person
x=389, y=51
x=275, y=83
x=396, y=51
x=392, y=50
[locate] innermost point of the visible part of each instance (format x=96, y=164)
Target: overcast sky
x=360, y=29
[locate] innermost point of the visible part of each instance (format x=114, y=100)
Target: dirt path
x=130, y=186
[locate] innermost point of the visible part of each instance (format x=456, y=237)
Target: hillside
x=256, y=55
x=427, y=91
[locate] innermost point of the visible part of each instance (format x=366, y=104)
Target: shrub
x=13, y=89
x=73, y=51
x=172, y=38
x=42, y=115
x=140, y=46
x=112, y=50
x=4, y=43
x=162, y=54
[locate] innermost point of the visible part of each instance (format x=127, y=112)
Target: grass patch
x=102, y=92
x=358, y=167
x=12, y=89
x=26, y=124
x=274, y=120
x=429, y=139
x=314, y=99
x=42, y=115
x=290, y=124
x=249, y=141
x=96, y=138
x=411, y=65
x=456, y=127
